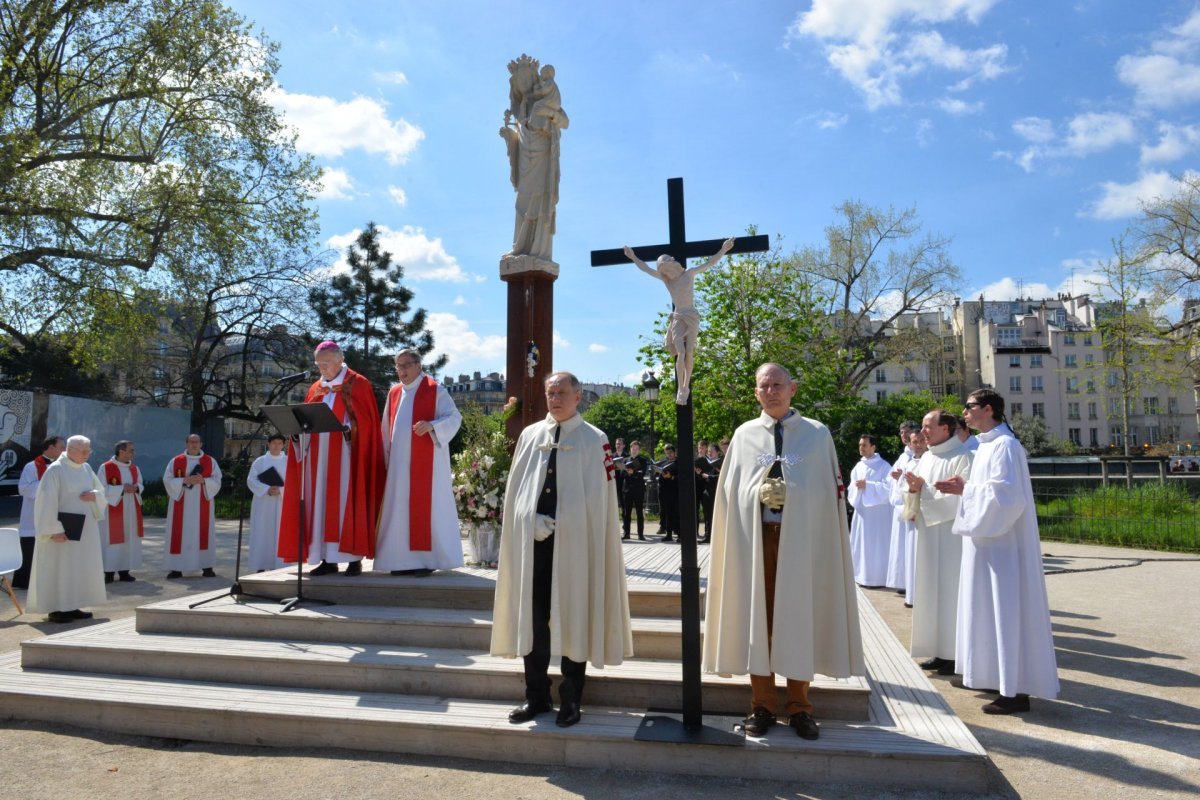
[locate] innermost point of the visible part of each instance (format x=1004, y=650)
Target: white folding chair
x=10, y=561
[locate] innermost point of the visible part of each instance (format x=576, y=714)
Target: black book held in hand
x=270, y=477
x=72, y=524
x=196, y=470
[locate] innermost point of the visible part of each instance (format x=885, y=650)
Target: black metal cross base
x=691, y=728
x=667, y=726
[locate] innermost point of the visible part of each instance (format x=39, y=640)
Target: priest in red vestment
x=344, y=479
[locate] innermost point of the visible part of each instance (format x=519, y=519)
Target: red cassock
x=351, y=524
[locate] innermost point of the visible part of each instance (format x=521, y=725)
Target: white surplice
x=128, y=554
x=897, y=572
x=1004, y=636
x=392, y=549
x=190, y=556
x=265, y=510
x=871, y=528
x=67, y=575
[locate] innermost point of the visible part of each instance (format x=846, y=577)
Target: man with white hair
x=67, y=561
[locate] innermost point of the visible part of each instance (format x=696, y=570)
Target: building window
x=950, y=367
x=908, y=375
x=1014, y=361
x=1091, y=386
x=1073, y=435
x=1114, y=406
x=1009, y=337
x=1092, y=411
x=1072, y=410
x=1155, y=435
x=1070, y=360
x=1069, y=338
x=1039, y=410
x=1073, y=385
x=1150, y=406
x=1087, y=341
x=880, y=395
x=1018, y=408
x=881, y=375
x=1172, y=405
x=1035, y=362
x=1093, y=437
x=1014, y=383
x=1036, y=383
x=1088, y=358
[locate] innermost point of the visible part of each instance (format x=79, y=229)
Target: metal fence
x=1150, y=512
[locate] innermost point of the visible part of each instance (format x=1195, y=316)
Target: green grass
x=1149, y=516
x=154, y=502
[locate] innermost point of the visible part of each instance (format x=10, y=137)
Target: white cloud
x=1170, y=75
x=398, y=195
x=467, y=350
x=1120, y=200
x=395, y=76
x=423, y=259
x=1174, y=142
x=924, y=132
x=1034, y=129
x=877, y=44
x=829, y=121
x=958, y=108
x=335, y=184
x=559, y=341
x=597, y=348
x=1094, y=132
x=327, y=127
x=459, y=300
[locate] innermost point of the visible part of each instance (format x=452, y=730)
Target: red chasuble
x=40, y=464
x=116, y=514
x=179, y=470
x=420, y=470
x=352, y=527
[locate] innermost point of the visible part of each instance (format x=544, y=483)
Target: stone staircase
x=400, y=664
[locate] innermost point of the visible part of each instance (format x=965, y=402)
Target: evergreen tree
x=365, y=309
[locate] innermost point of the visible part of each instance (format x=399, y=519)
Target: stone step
x=465, y=588
x=878, y=754
x=117, y=648
x=451, y=628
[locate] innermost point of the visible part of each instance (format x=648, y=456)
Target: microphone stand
x=235, y=589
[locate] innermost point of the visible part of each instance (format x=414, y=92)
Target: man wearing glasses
x=418, y=527
x=1004, y=641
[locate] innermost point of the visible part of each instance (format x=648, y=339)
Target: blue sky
x=1026, y=132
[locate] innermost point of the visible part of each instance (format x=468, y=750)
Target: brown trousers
x=762, y=687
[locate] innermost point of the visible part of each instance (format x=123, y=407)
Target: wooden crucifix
x=692, y=728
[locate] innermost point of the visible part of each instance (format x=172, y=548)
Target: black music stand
x=291, y=421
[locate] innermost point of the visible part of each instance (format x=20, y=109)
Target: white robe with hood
x=67, y=575
x=871, y=528
x=897, y=574
x=816, y=626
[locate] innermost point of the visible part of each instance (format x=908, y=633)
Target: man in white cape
x=897, y=573
x=66, y=570
x=871, y=528
x=1005, y=641
x=418, y=526
x=121, y=538
x=939, y=551
x=192, y=480
x=789, y=522
x=267, y=506
x=561, y=582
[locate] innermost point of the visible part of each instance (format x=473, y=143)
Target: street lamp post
x=650, y=386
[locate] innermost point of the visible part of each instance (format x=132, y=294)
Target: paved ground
x=1127, y=630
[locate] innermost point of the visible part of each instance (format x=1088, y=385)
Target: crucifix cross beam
x=679, y=247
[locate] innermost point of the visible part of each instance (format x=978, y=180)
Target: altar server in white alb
x=781, y=596
x=192, y=480
x=939, y=551
x=121, y=538
x=418, y=526
x=27, y=487
x=897, y=572
x=66, y=568
x=561, y=583
x=871, y=528
x=263, y=480
x=1005, y=641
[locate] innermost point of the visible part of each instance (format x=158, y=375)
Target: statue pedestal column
x=530, y=320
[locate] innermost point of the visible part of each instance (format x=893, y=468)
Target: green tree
x=367, y=306
x=1037, y=439
x=874, y=269
x=883, y=420
x=1169, y=234
x=620, y=416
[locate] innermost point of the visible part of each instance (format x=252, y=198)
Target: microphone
x=299, y=376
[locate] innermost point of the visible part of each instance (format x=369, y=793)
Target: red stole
x=41, y=464
x=179, y=470
x=333, y=466
x=420, y=470
x=116, y=516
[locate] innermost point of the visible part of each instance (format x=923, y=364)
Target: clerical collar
x=769, y=422
x=1000, y=430
x=408, y=387
x=567, y=426
x=947, y=447
x=341, y=376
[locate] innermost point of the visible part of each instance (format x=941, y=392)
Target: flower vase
x=482, y=543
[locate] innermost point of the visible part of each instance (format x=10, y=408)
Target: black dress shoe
x=125, y=577
x=908, y=605
x=77, y=614
x=174, y=574
x=108, y=577
x=641, y=538
x=354, y=568
x=957, y=683
x=568, y=714
x=901, y=592
x=324, y=568
x=1008, y=705
x=528, y=710
x=59, y=617
x=948, y=668
x=933, y=663
x=208, y=573
x=759, y=722
x=806, y=727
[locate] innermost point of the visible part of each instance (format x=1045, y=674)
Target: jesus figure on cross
x=683, y=327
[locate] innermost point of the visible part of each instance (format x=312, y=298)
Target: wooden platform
x=409, y=657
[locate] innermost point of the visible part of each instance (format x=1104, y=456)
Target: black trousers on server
x=537, y=662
